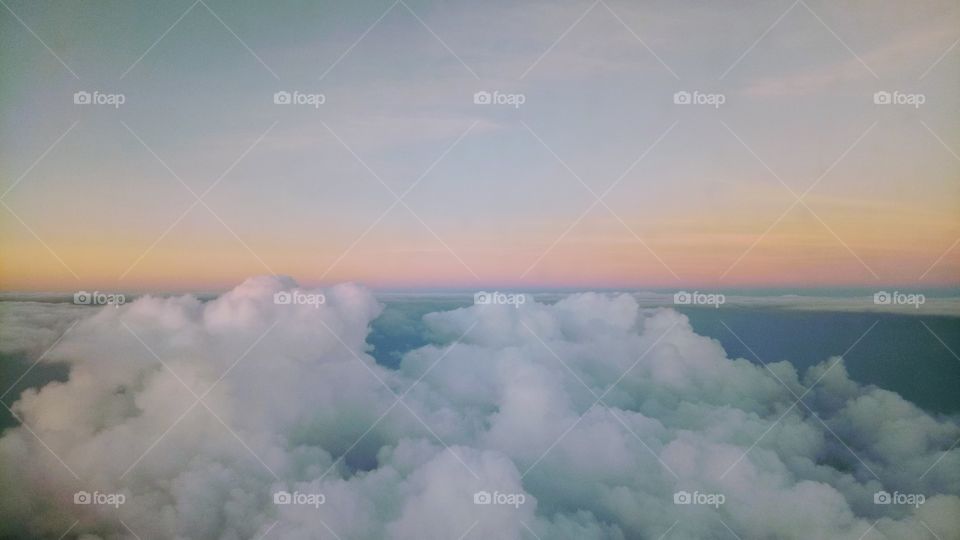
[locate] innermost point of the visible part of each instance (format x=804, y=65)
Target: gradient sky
x=98, y=208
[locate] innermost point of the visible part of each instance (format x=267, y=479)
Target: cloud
x=580, y=419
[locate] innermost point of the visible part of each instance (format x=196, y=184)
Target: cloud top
x=586, y=418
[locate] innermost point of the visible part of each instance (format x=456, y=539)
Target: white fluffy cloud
x=591, y=411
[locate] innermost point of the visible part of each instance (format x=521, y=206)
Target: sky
x=399, y=180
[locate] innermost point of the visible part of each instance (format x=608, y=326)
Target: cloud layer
x=581, y=419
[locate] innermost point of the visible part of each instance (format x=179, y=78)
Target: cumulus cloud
x=577, y=419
